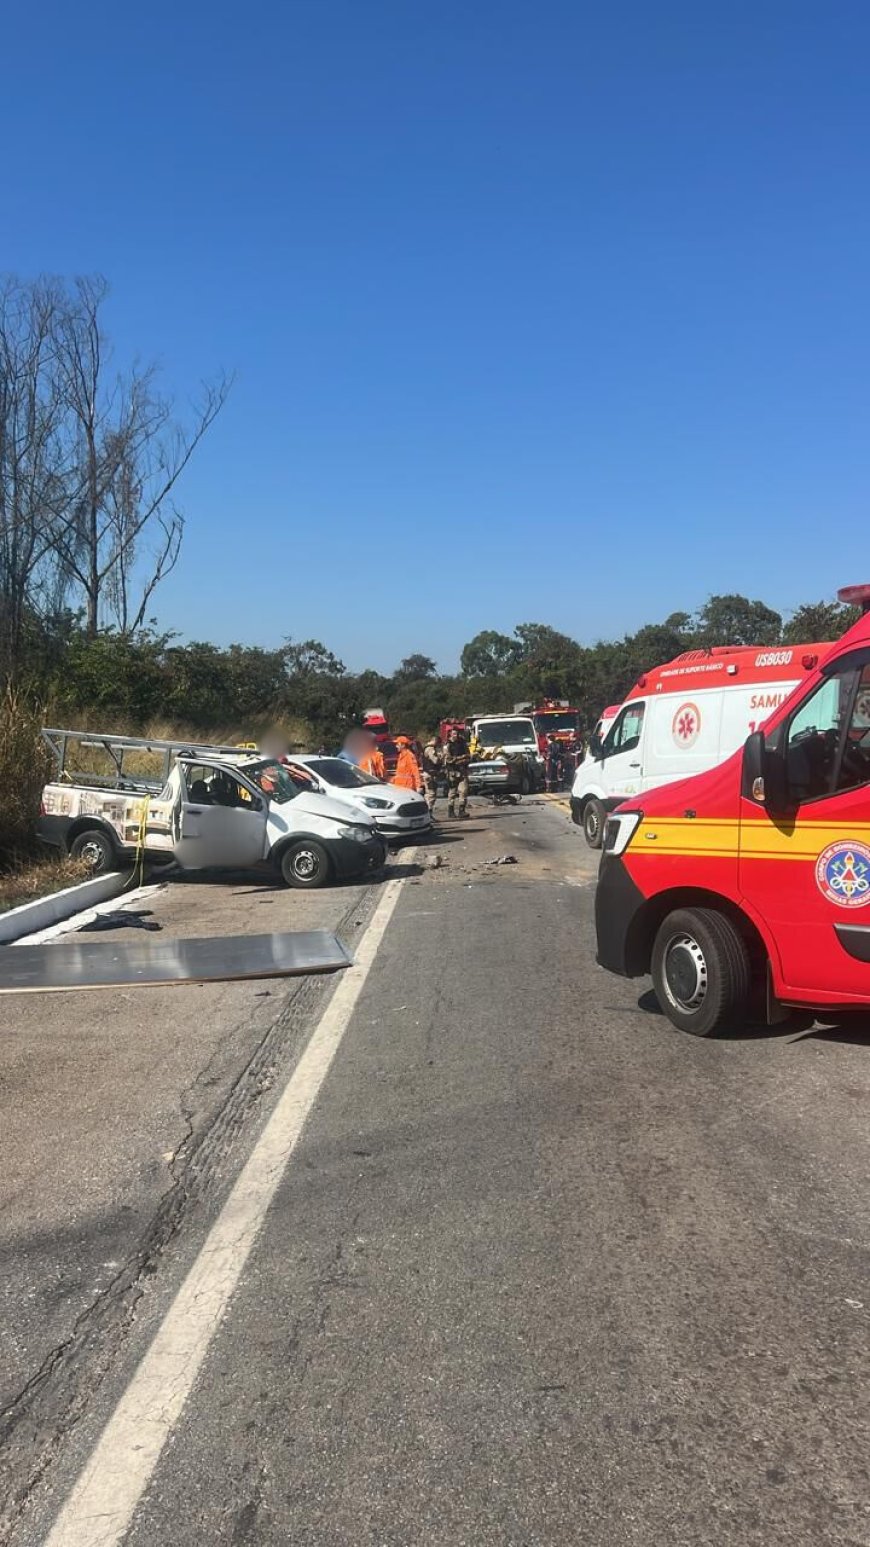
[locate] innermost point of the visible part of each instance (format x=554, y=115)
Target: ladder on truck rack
x=60, y=741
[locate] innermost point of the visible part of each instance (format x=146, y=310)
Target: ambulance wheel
x=96, y=849
x=701, y=971
x=306, y=865
x=594, y=817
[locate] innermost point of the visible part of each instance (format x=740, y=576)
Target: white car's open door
x=218, y=819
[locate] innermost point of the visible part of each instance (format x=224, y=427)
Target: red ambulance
x=746, y=889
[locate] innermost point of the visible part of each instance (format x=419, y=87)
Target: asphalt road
x=539, y=1271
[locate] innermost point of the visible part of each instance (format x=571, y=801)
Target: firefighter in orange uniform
x=407, y=775
x=372, y=760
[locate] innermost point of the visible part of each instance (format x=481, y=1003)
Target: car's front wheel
x=701, y=971
x=306, y=865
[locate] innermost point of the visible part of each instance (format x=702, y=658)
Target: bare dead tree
x=121, y=534
x=34, y=458
x=89, y=463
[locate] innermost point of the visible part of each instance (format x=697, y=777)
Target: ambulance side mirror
x=764, y=774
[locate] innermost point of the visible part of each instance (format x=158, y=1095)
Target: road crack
x=36, y=1423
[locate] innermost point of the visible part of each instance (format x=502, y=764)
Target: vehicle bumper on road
x=352, y=859
x=576, y=810
x=618, y=907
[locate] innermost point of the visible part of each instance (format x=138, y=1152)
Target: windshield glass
x=499, y=733
x=557, y=720
x=275, y=781
x=334, y=770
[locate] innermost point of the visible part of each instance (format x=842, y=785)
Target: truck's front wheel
x=96, y=849
x=701, y=971
x=594, y=816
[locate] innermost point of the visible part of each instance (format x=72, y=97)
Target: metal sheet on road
x=71, y=965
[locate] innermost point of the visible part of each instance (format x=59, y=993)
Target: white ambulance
x=682, y=719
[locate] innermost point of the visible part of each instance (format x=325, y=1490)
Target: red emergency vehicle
x=746, y=888
x=555, y=717
x=447, y=726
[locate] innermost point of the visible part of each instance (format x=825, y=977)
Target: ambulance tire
x=701, y=971
x=594, y=817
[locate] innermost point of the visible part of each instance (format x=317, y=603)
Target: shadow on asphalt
x=853, y=1028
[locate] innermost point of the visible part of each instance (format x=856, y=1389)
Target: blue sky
x=552, y=312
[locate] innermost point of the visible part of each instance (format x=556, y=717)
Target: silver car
x=396, y=812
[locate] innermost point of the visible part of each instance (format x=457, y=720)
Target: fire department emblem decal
x=843, y=874
x=686, y=725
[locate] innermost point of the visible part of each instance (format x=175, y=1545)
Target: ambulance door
x=622, y=752
x=806, y=870
x=681, y=736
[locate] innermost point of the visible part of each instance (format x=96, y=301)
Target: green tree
x=735, y=620
x=818, y=623
x=311, y=658
x=197, y=688
x=256, y=680
x=551, y=664
x=372, y=688
x=490, y=654
x=115, y=676
x=415, y=668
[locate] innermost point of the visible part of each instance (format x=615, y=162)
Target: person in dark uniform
x=456, y=768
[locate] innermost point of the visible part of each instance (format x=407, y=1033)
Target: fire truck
x=555, y=717
x=745, y=890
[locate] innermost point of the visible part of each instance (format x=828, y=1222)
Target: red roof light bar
x=855, y=596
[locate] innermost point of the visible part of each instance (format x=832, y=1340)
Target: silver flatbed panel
x=89, y=964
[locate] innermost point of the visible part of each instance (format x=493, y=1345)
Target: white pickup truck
x=515, y=735
x=214, y=809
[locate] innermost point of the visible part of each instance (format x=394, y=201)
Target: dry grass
x=25, y=765
x=39, y=878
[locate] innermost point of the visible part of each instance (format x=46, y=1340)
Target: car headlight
x=358, y=834
x=619, y=830
x=380, y=805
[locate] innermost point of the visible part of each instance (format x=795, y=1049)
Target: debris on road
x=31, y=969
x=121, y=920
x=505, y=859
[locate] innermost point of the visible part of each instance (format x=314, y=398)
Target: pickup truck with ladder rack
x=205, y=807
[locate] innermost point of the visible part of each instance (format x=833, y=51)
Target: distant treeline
x=142, y=677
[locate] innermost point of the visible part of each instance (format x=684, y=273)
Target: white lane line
x=99, y=1509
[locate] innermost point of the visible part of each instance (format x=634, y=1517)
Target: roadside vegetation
x=25, y=765
x=142, y=681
